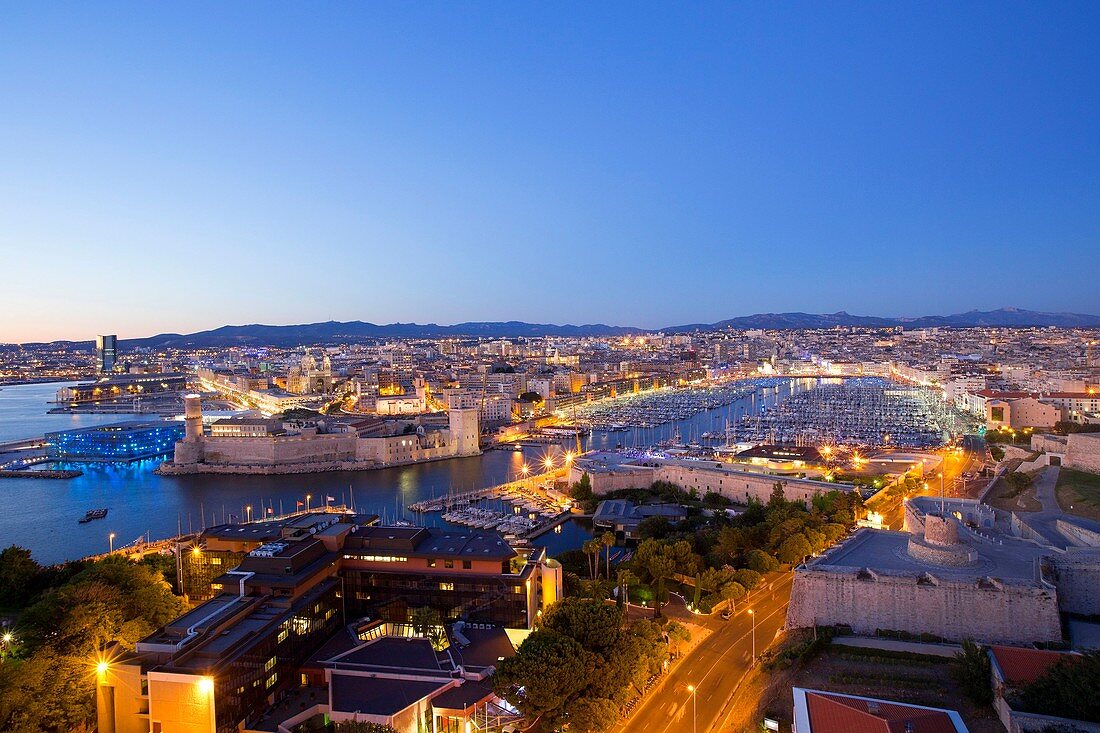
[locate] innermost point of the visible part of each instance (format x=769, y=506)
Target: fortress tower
x=464, y=430
x=190, y=449
x=941, y=544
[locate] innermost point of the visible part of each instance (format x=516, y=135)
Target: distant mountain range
x=335, y=332
x=1003, y=318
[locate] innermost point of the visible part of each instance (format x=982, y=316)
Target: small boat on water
x=93, y=514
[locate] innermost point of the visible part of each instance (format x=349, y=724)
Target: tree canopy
x=1068, y=689
x=65, y=628
x=581, y=665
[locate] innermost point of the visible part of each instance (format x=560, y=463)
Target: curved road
x=714, y=667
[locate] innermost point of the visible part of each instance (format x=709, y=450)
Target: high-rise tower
x=105, y=353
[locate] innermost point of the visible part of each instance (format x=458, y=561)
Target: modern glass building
x=119, y=442
x=105, y=353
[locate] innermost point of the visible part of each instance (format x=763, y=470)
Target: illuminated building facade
x=122, y=386
x=275, y=618
x=464, y=575
x=120, y=442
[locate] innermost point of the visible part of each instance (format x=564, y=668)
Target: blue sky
x=179, y=166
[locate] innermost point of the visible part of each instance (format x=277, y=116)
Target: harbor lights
x=525, y=470
x=248, y=512
x=568, y=457
x=308, y=497
x=111, y=543
x=549, y=463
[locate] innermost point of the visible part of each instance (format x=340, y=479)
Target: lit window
x=446, y=586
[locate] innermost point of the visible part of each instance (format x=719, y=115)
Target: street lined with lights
x=712, y=670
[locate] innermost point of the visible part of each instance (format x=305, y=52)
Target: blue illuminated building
x=127, y=441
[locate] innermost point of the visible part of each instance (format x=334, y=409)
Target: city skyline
x=640, y=166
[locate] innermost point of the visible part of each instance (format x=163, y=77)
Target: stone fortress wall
x=948, y=605
x=1076, y=574
x=1083, y=452
x=310, y=451
x=737, y=486
x=868, y=601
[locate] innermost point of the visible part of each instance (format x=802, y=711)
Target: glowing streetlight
x=525, y=469
x=549, y=463
x=111, y=542
x=8, y=637
x=692, y=689
x=568, y=457
x=248, y=510
x=308, y=497
x=206, y=684
x=753, y=614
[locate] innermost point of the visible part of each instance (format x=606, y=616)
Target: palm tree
x=607, y=539
x=592, y=549
x=624, y=578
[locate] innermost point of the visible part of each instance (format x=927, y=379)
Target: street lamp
x=753, y=614
x=549, y=463
x=691, y=689
x=525, y=469
x=111, y=542
x=308, y=497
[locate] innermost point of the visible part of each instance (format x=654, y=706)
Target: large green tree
x=17, y=574
x=794, y=549
x=64, y=632
x=588, y=715
x=581, y=665
x=548, y=671
x=1068, y=689
x=594, y=625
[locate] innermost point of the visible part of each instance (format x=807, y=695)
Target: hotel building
x=307, y=609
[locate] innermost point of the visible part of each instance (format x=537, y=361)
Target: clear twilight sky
x=179, y=166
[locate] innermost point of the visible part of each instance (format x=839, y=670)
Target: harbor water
x=42, y=514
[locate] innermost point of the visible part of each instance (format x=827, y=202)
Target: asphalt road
x=954, y=466
x=714, y=667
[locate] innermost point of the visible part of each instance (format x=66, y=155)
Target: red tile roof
x=1024, y=666
x=841, y=714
